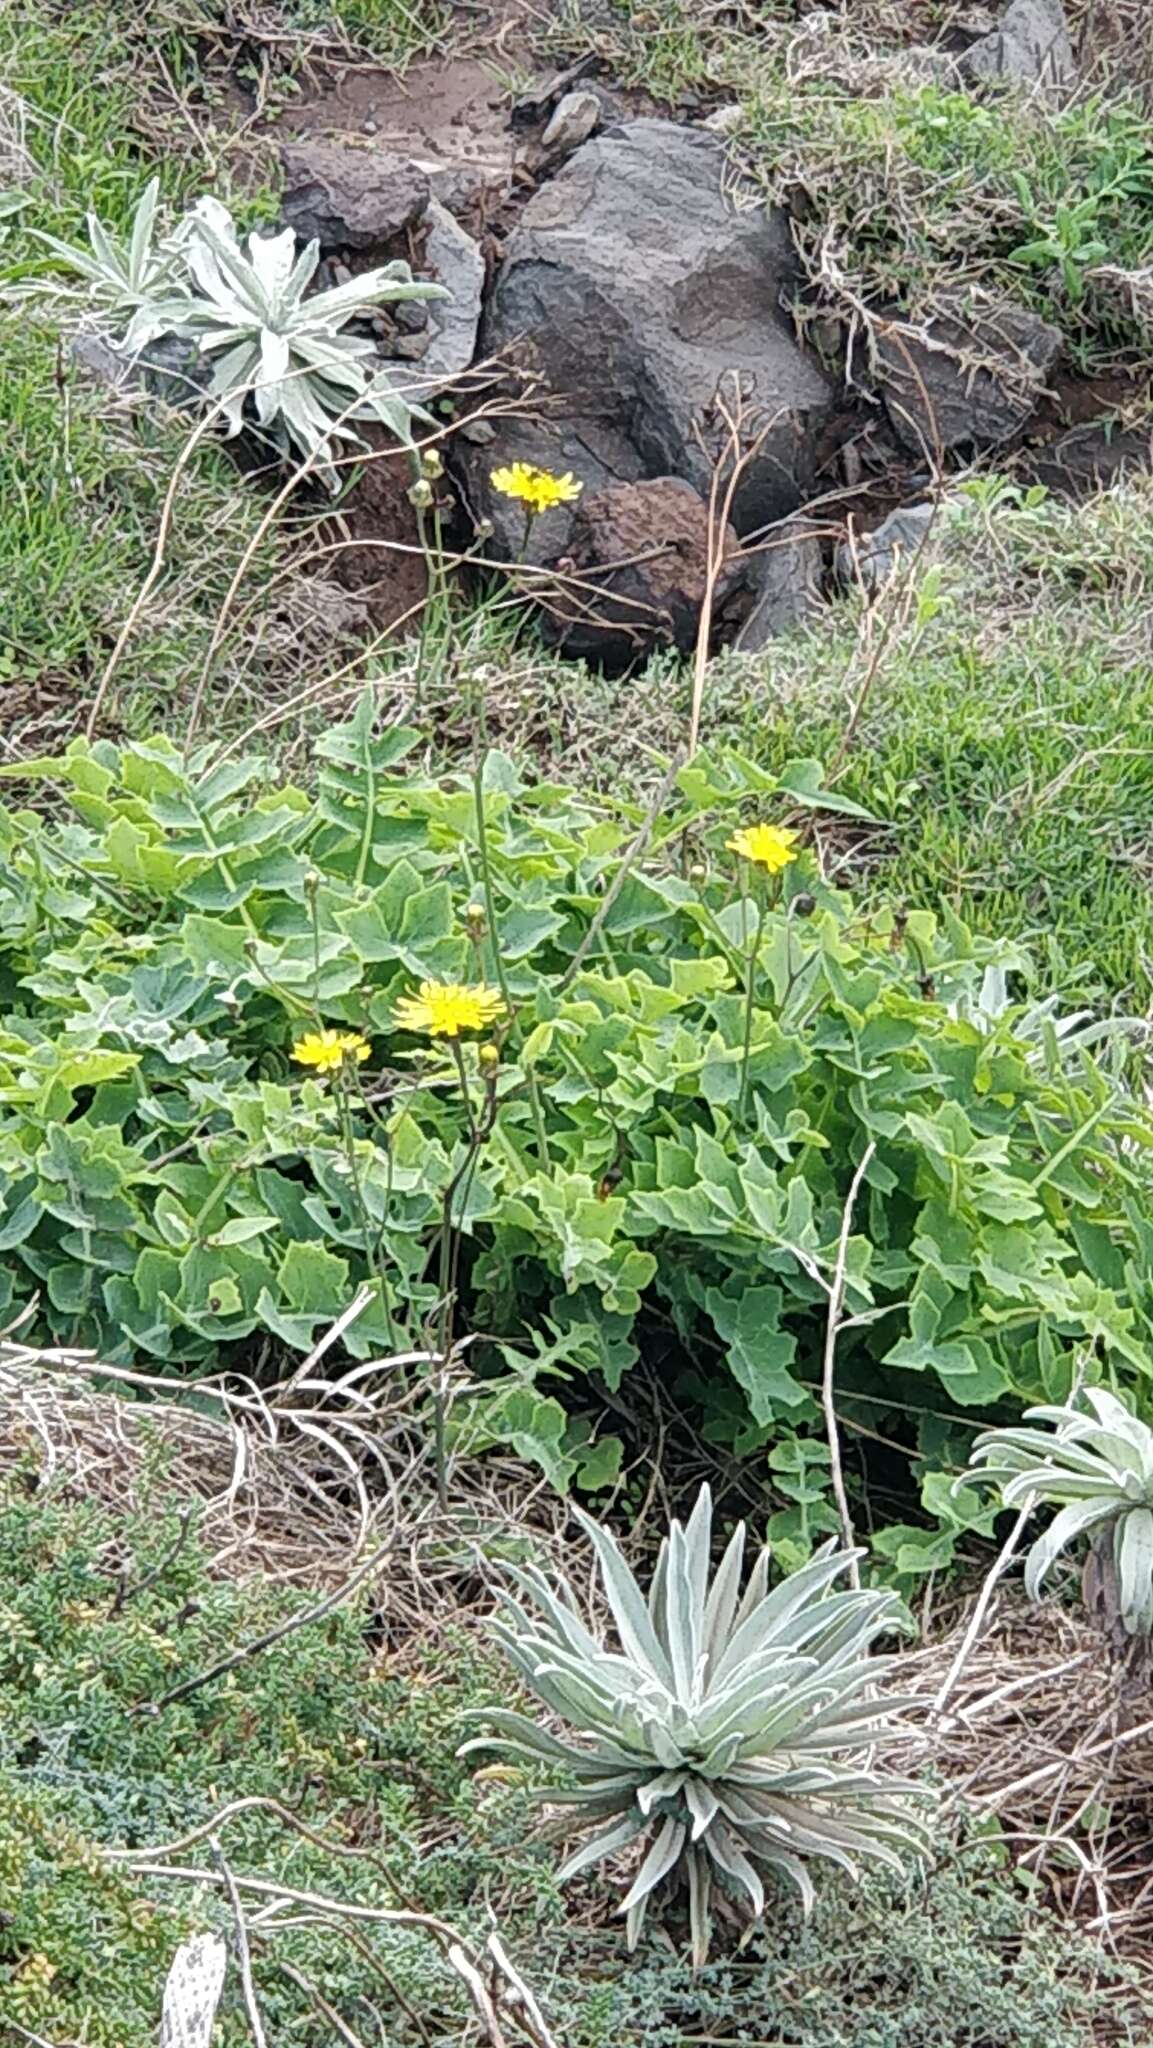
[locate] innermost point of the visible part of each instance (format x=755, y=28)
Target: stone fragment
x=965, y=378
x=784, y=577
x=644, y=549
x=573, y=120
x=873, y=557
x=1030, y=48
x=349, y=197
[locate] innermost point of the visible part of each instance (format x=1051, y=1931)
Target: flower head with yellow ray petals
x=445, y=1009
x=537, y=488
x=328, y=1050
x=768, y=846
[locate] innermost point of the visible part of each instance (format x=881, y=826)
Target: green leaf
x=760, y=1352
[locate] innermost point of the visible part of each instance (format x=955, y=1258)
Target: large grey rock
x=347, y=197
x=456, y=262
x=630, y=290
x=872, y=558
x=972, y=377
x=1031, y=48
x=784, y=577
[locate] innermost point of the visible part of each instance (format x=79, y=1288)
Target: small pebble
x=725, y=121
x=411, y=315
x=573, y=121
x=410, y=347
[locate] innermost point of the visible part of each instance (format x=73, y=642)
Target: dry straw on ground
x=1031, y=1729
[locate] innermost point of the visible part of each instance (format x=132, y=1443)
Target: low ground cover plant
x=103, y=1614
x=453, y=1042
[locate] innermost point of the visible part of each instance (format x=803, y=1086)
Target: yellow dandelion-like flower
x=328, y=1050
x=537, y=488
x=769, y=846
x=444, y=1009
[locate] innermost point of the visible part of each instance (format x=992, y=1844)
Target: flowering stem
x=371, y=1240
x=450, y=1236
x=486, y=875
x=750, y=993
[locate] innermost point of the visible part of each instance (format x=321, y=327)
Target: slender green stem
x=372, y=1247
x=369, y=814
x=750, y=995
x=486, y=875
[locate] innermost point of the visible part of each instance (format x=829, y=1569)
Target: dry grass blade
x=1043, y=1733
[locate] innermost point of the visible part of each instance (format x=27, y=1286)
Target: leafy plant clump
x=1095, y=1464
x=646, y=1152
x=283, y=358
x=726, y=1735
x=924, y=185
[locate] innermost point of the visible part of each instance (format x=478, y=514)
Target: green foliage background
x=668, y=1159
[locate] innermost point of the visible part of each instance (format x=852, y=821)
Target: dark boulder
x=636, y=571
x=965, y=378
x=631, y=290
x=347, y=197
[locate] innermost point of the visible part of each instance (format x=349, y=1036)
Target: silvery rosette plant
x=727, y=1734
x=1094, y=1462
x=281, y=354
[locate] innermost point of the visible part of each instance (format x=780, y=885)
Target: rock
x=410, y=348
x=873, y=557
x=1031, y=48
x=630, y=290
x=456, y=262
x=1091, y=458
x=410, y=315
x=724, y=120
x=169, y=367
x=573, y=120
x=473, y=191
x=658, y=534
x=345, y=197
x=972, y=378
x=543, y=92
x=784, y=576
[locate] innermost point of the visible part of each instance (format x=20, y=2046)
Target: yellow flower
x=444, y=1009
x=770, y=846
x=539, y=489
x=327, y=1050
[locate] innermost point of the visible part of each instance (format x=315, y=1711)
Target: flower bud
x=698, y=872
x=474, y=914
x=488, y=1057
x=311, y=882
x=431, y=465
x=421, y=494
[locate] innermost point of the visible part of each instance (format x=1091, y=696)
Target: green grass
x=1004, y=747
x=104, y=1613
x=82, y=482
